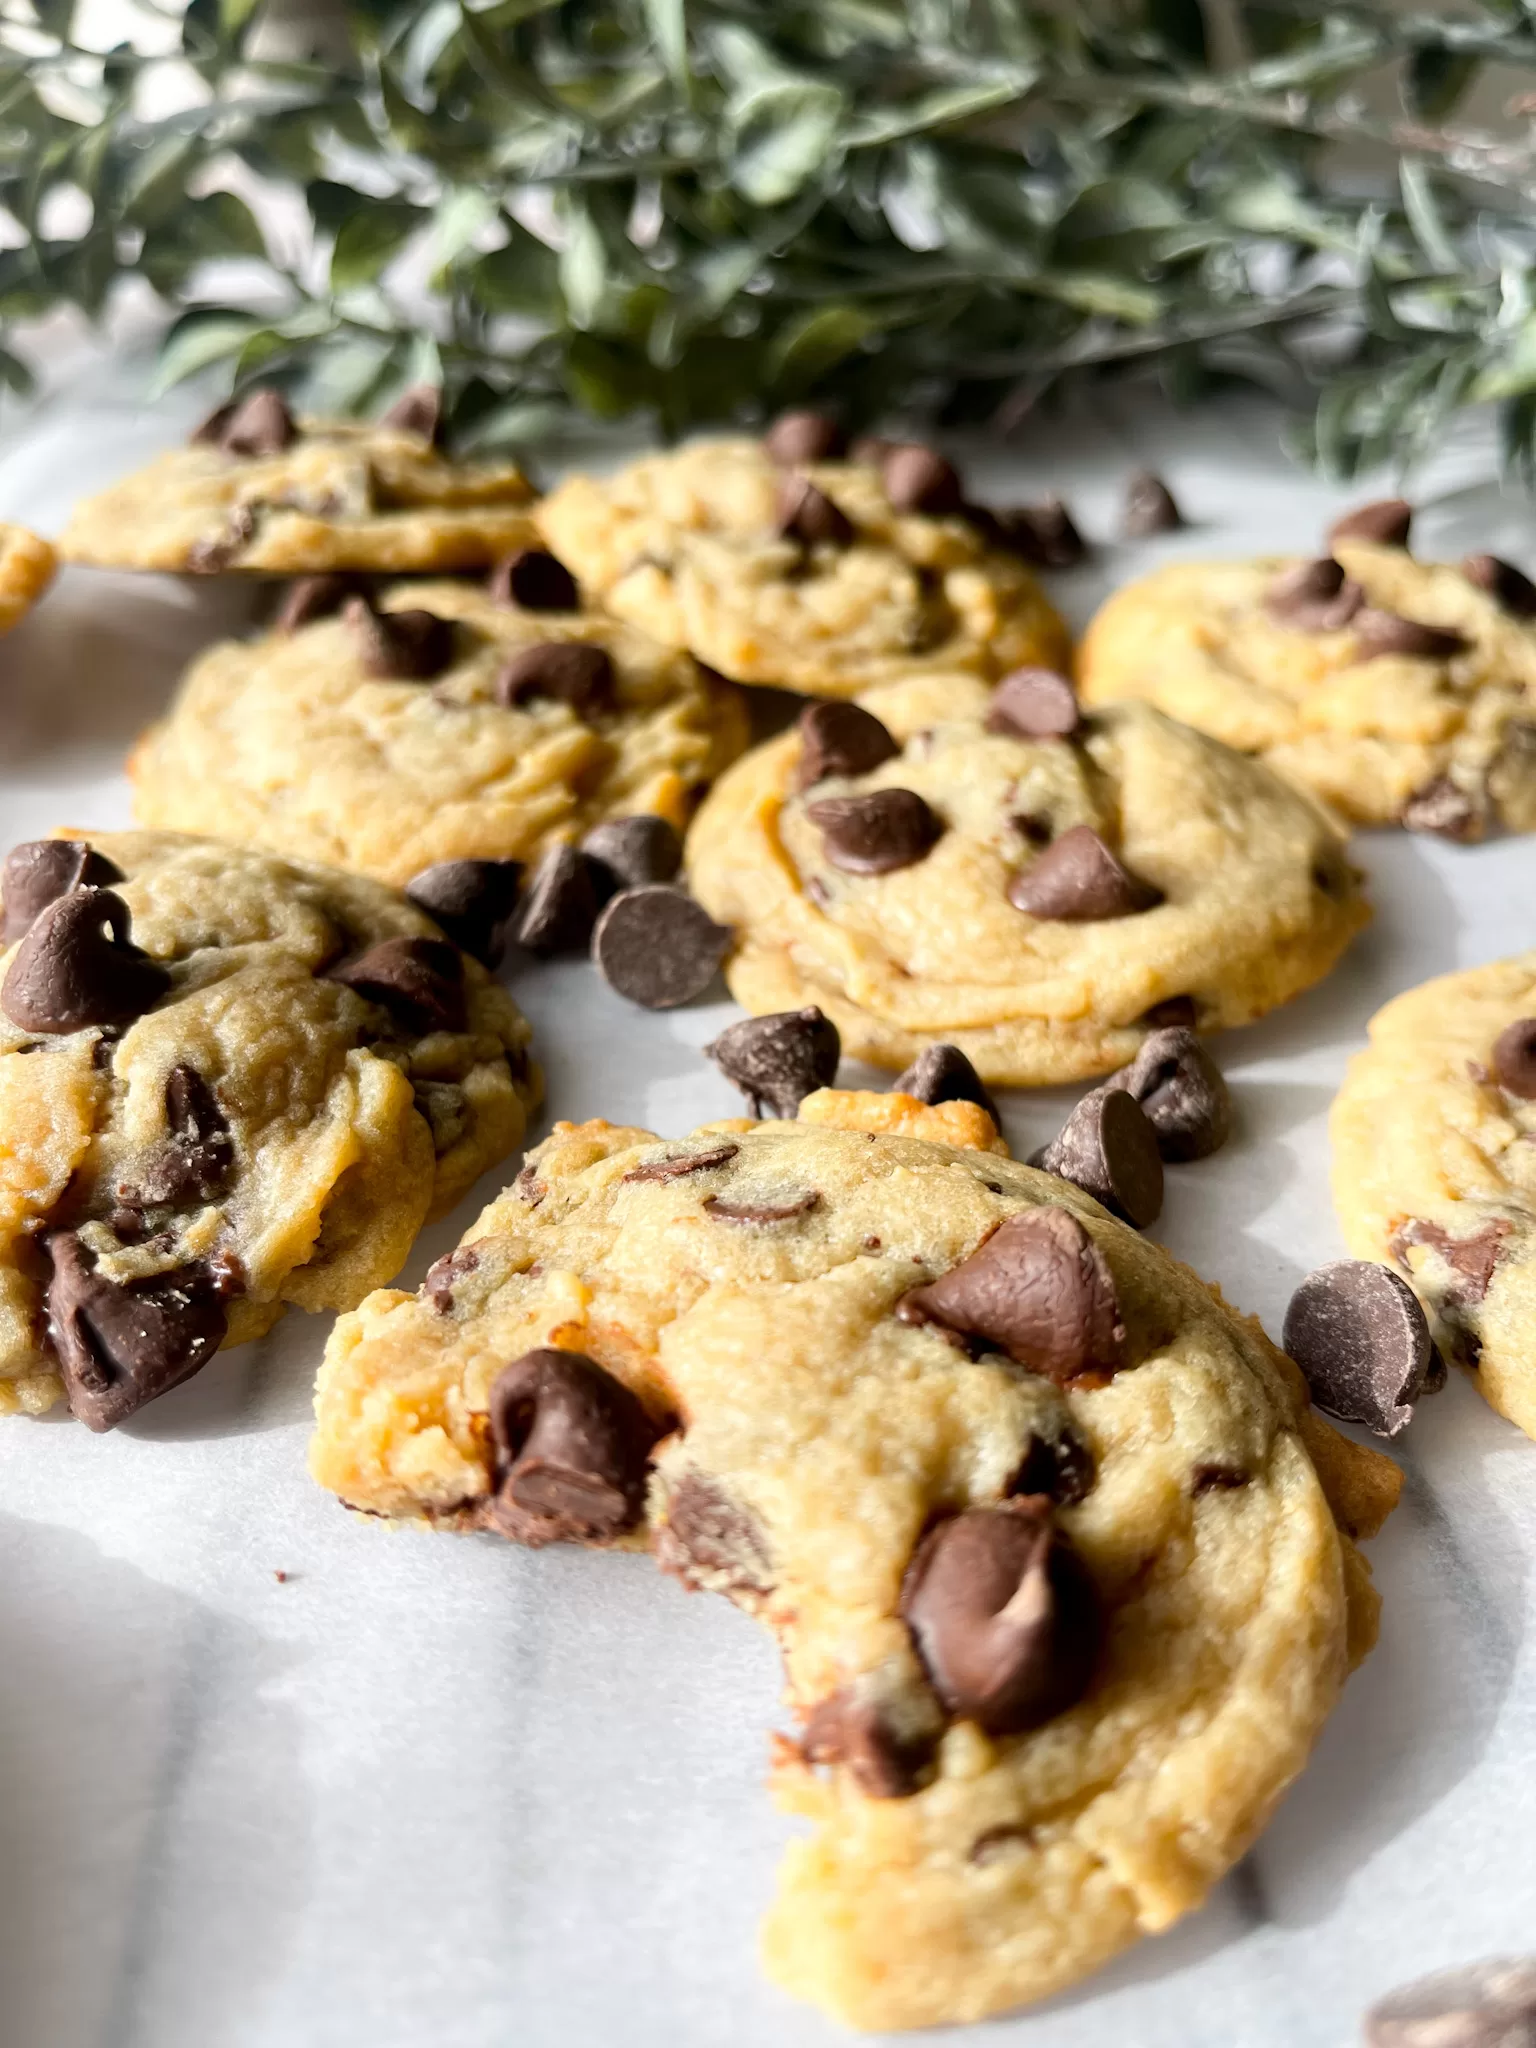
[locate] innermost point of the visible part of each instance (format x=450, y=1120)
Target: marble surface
x=276, y=1777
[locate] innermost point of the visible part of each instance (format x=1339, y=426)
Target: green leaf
x=806, y=348
x=1181, y=25
x=1422, y=207
x=782, y=137
x=15, y=374
x=370, y=238
x=219, y=225
x=523, y=277
x=196, y=343
x=668, y=21
x=583, y=266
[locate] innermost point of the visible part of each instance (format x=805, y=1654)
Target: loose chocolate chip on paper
x=1505, y=584
x=418, y=411
x=918, y=479
x=1109, y=1149
x=1315, y=597
x=536, y=580
x=1077, y=880
x=1150, y=507
x=1181, y=1092
x=308, y=598
x=796, y=437
x=39, y=871
x=408, y=646
x=655, y=946
x=573, y=1449
x=1004, y=1616
x=942, y=1073
x=1444, y=808
x=473, y=901
x=1045, y=534
x=1514, y=1058
x=119, y=1347
x=78, y=966
x=1359, y=1335
x=1035, y=704
x=1385, y=522
x=1488, y=2004
x=628, y=852
x=776, y=1061
x=710, y=1537
x=419, y=981
x=809, y=516
x=1039, y=1290
x=561, y=671
x=559, y=904
x=856, y=1734
x=1379, y=632
x=762, y=1212
x=877, y=833
x=259, y=424
x=684, y=1163
x=840, y=739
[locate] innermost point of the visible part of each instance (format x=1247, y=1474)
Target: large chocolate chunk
x=309, y=598
x=942, y=1073
x=840, y=739
x=1149, y=507
x=410, y=646
x=1315, y=597
x=796, y=437
x=78, y=966
x=258, y=424
x=809, y=516
x=877, y=833
x=196, y=1161
x=1108, y=1148
x=417, y=411
x=1358, y=1333
x=1473, y=1259
x=1444, y=808
x=1512, y=591
x=419, y=981
x=1181, y=1092
x=1385, y=523
x=119, y=1347
x=473, y=901
x=536, y=580
x=39, y=871
x=565, y=672
x=709, y=1536
x=1077, y=880
x=681, y=1164
x=777, y=1061
x=628, y=852
x=573, y=1449
x=655, y=946
x=918, y=479
x=559, y=904
x=1379, y=632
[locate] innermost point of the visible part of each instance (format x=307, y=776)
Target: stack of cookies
x=1060, y=1553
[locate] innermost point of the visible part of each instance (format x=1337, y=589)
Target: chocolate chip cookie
x=1434, y=1166
x=259, y=489
x=27, y=563
x=227, y=1083
x=1038, y=887
x=822, y=576
x=1400, y=691
x=433, y=721
x=1036, y=1520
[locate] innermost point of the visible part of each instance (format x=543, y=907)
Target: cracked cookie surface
x=712, y=1344
x=27, y=563
x=227, y=1084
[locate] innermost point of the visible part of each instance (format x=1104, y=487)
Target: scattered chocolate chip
x=1315, y=597
x=536, y=580
x=1514, y=1058
x=708, y=1536
x=258, y=424
x=473, y=901
x=1443, y=808
x=559, y=903
x=418, y=411
x=1473, y=1258
x=444, y=1274
x=1039, y=1290
x=856, y=1734
x=1004, y=1616
x=1181, y=1092
x=1077, y=880
x=1378, y=632
x=119, y=1347
x=918, y=479
x=777, y=1061
x=561, y=671
x=1218, y=1479
x=1358, y=1333
x=78, y=966
x=1488, y=2004
x=1034, y=704
x=655, y=946
x=796, y=437
x=683, y=1163
x=39, y=871
x=309, y=598
x=410, y=646
x=876, y=833
x=1044, y=534
x=762, y=1212
x=419, y=981
x=1109, y=1149
x=628, y=852
x=942, y=1073
x=573, y=1450
x=195, y=1163
x=840, y=739
x=1060, y=1467
x=1513, y=592
x=1150, y=507
x=1385, y=522
x=992, y=1844
x=809, y=516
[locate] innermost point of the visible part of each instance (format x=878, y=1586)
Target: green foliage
x=700, y=210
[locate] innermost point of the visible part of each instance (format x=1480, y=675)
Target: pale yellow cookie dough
x=686, y=546
x=1434, y=1171
x=1259, y=899
x=346, y=1127
x=27, y=563
x=289, y=742
x=1367, y=734
x=826, y=1435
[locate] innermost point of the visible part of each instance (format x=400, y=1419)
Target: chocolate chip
x=1077, y=880
x=1378, y=632
x=1034, y=704
x=259, y=424
x=1218, y=1479
x=1359, y=1335
x=777, y=1061
x=473, y=901
x=1443, y=808
x=559, y=903
x=707, y=1536
x=942, y=1073
x=410, y=646
x=993, y=1844
x=1316, y=597
x=309, y=598
x=536, y=580
x=444, y=1274
x=1488, y=2004
x=39, y=871
x=561, y=671
x=655, y=946
x=119, y=1347
x=418, y=411
x=1108, y=1148
x=195, y=1163
x=208, y=557
x=684, y=1163
x=1514, y=1058
x=78, y=966
x=796, y=437
x=628, y=852
x=1149, y=507
x=573, y=1450
x=1059, y=1467
x=419, y=981
x=1044, y=534
x=761, y=1212
x=1181, y=1092
x=1504, y=583
x=1039, y=1290
x=1004, y=1616
x=840, y=739
x=918, y=479
x=809, y=516
x=856, y=1734
x=877, y=833
x=1385, y=522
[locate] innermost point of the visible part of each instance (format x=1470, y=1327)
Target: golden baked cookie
x=27, y=563
x=1434, y=1166
x=1062, y=1599
x=257, y=489
x=715, y=547
x=387, y=748
x=1039, y=902
x=1399, y=691
x=227, y=1083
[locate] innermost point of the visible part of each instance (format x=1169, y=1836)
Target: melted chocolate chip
x=1514, y=1058
x=840, y=739
x=796, y=437
x=473, y=901
x=1510, y=590
x=707, y=1536
x=309, y=598
x=1481, y=2005
x=208, y=557
x=1385, y=523
x=1181, y=1092
x=409, y=646
x=418, y=411
x=942, y=1073
x=78, y=966
x=39, y=871
x=655, y=946
x=1443, y=808
x=444, y=1274
x=573, y=1450
x=809, y=516
x=1378, y=632
x=856, y=1734
x=559, y=904
x=629, y=852
x=1149, y=507
x=877, y=833
x=918, y=479
x=258, y=424
x=1077, y=880
x=419, y=981
x=1315, y=597
x=777, y=1061
x=1004, y=1616
x=119, y=1347
x=1358, y=1333
x=1059, y=1467
x=1473, y=1259
x=684, y=1163
x=562, y=672
x=1034, y=704
x=536, y=580
x=1108, y=1148
x=761, y=1212
x=195, y=1163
